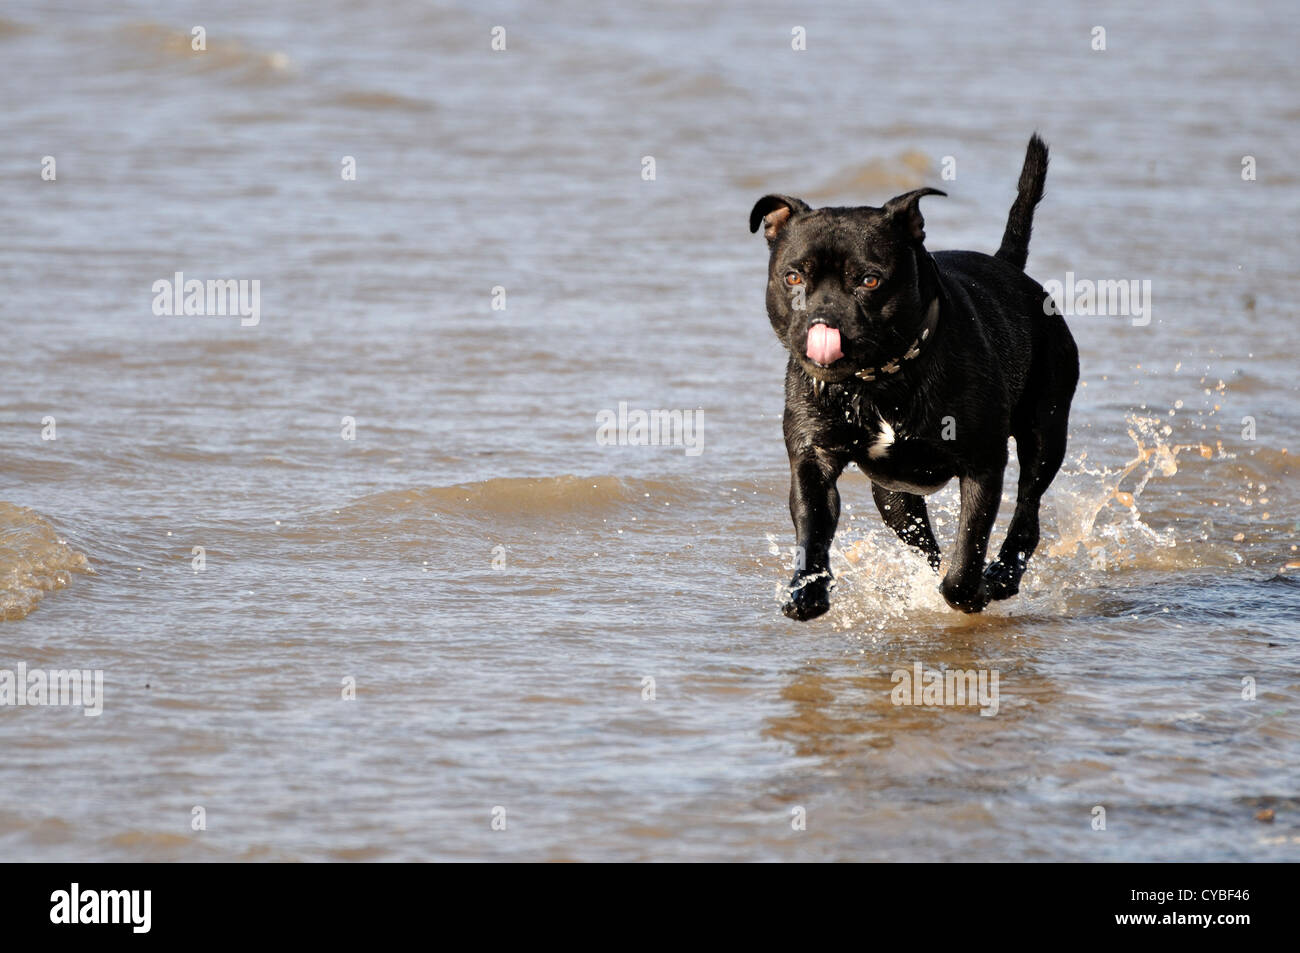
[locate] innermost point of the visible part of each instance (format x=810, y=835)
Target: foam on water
x=34, y=560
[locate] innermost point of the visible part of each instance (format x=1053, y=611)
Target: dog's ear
x=773, y=211
x=906, y=214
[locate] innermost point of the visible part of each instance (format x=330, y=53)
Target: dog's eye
x=871, y=282
x=793, y=278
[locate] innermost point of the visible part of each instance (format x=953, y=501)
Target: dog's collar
x=914, y=350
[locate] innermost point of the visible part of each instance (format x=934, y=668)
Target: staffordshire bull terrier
x=916, y=367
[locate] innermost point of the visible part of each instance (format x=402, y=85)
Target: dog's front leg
x=963, y=586
x=815, y=509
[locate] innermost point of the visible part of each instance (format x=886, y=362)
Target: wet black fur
x=995, y=366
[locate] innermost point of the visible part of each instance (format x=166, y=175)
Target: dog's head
x=846, y=287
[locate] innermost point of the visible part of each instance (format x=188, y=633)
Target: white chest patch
x=880, y=446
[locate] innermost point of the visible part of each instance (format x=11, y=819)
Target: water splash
x=1093, y=525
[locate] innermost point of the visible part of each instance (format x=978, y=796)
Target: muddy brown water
x=581, y=633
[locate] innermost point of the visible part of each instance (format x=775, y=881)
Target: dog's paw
x=1003, y=581
x=808, y=597
x=965, y=596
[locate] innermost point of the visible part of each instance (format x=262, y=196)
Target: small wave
x=905, y=171
x=221, y=54
x=33, y=560
x=12, y=28
x=376, y=99
x=1267, y=463
x=674, y=85
x=526, y=497
x=152, y=840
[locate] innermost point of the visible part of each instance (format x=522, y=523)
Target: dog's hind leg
x=963, y=586
x=906, y=515
x=1040, y=433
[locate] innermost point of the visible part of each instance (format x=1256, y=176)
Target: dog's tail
x=1015, y=240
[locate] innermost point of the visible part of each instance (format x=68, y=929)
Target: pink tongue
x=824, y=344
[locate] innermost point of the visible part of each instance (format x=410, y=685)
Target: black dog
x=917, y=368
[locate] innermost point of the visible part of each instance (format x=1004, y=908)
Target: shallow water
x=497, y=582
